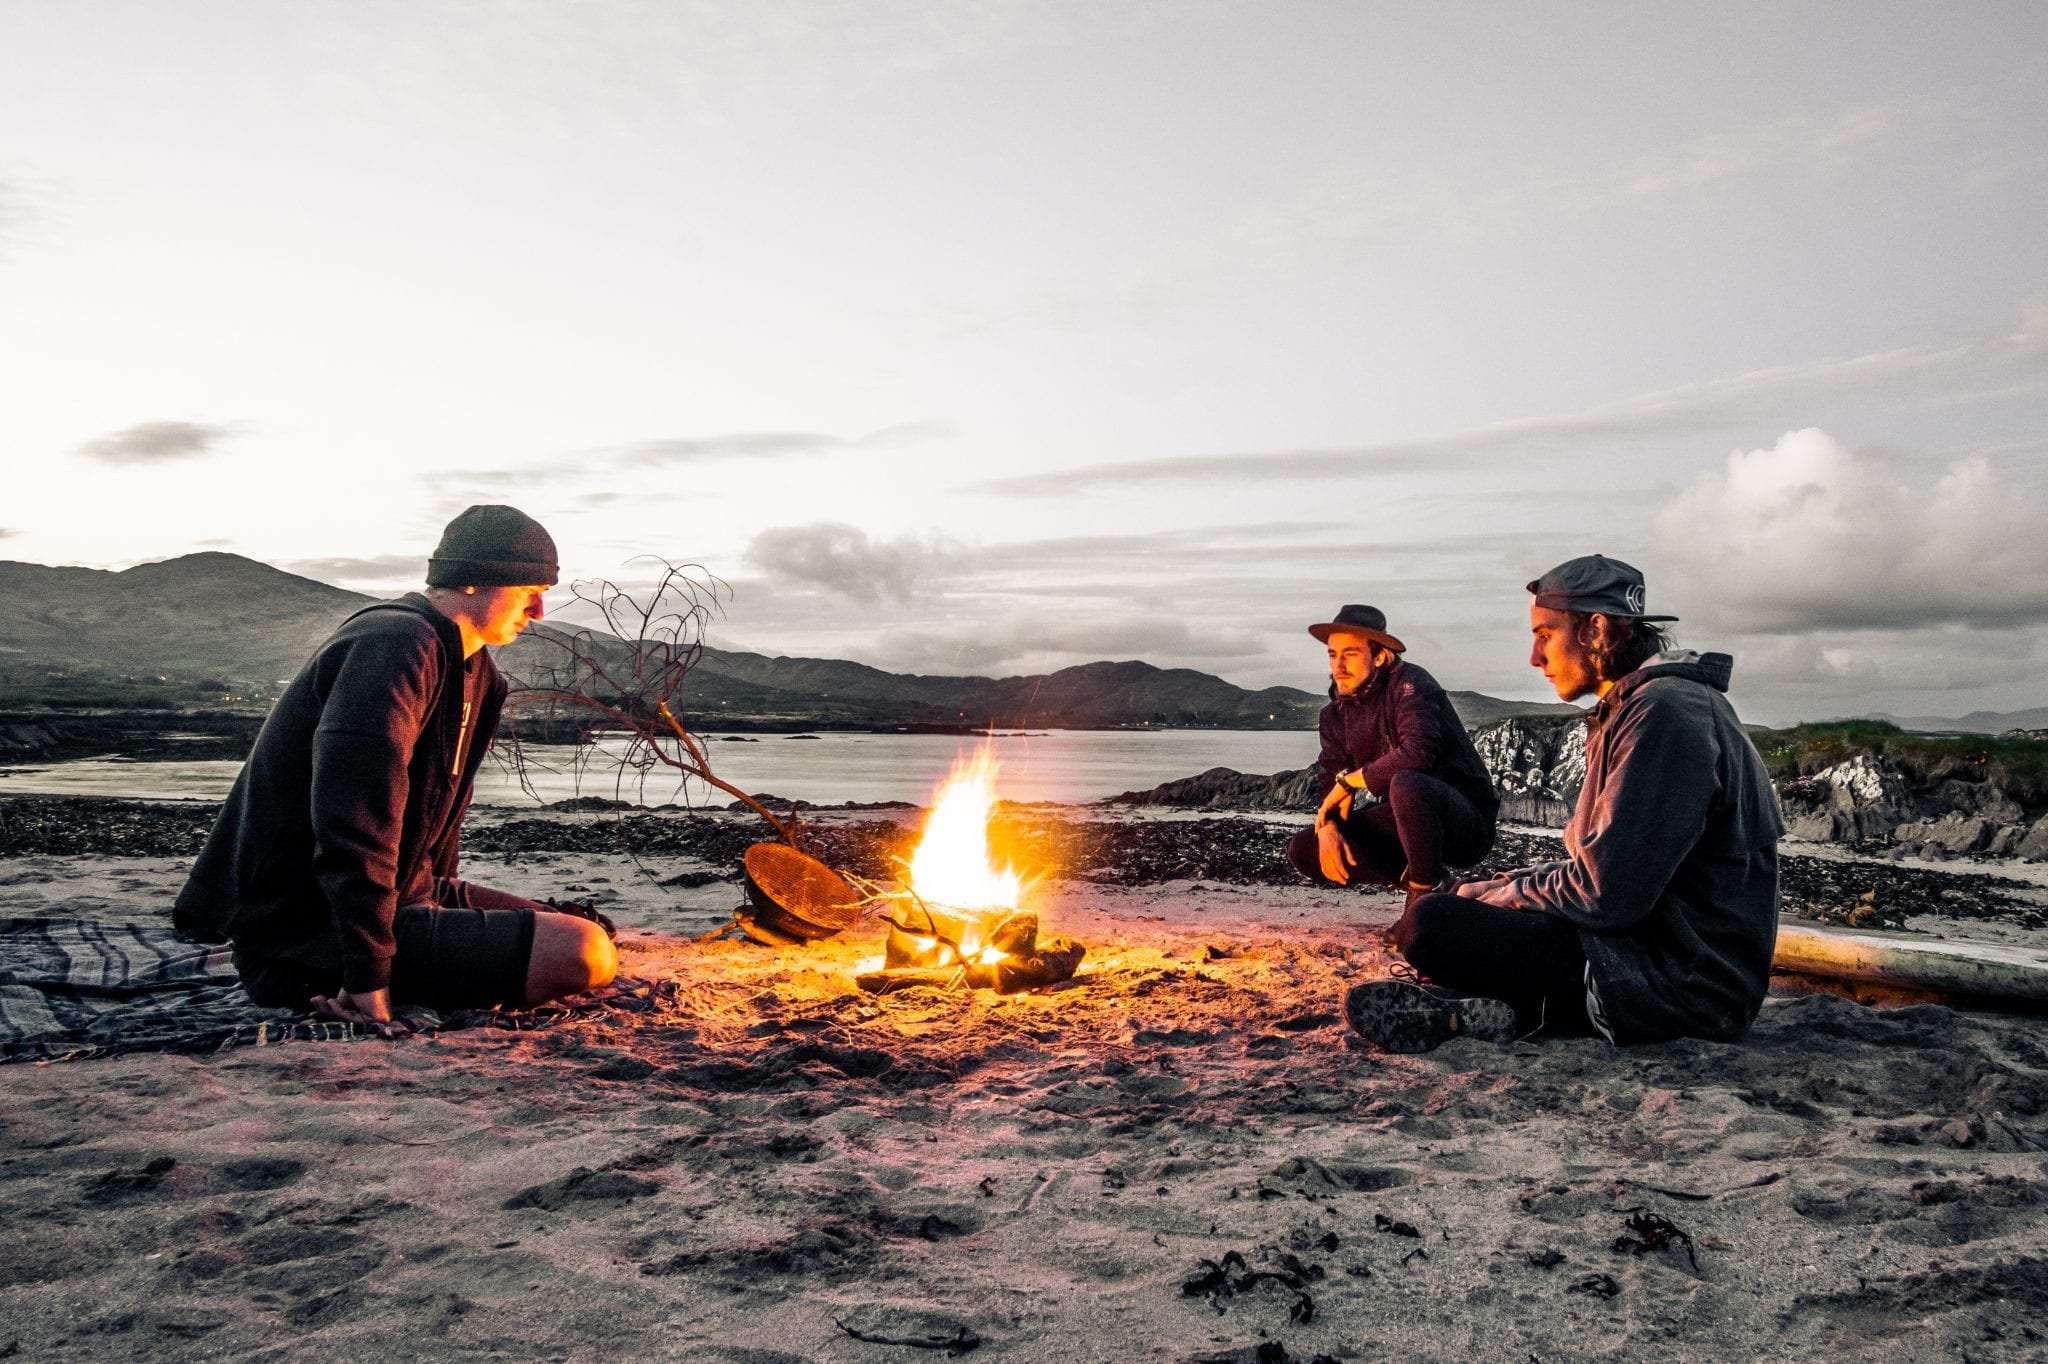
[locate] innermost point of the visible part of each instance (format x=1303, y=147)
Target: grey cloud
x=453, y=489
x=763, y=445
x=1720, y=404
x=1946, y=671
x=157, y=442
x=1029, y=640
x=1306, y=567
x=635, y=457
x=8, y=532
x=1655, y=414
x=12, y=214
x=380, y=569
x=751, y=445
x=1806, y=536
x=843, y=559
x=1348, y=209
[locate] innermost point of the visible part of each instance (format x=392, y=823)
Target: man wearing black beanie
x=332, y=865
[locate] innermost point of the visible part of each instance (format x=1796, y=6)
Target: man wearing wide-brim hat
x=332, y=866
x=1404, y=790
x=1661, y=919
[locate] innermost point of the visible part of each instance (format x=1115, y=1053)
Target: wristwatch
x=1355, y=778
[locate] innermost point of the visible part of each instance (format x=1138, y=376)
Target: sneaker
x=1397, y=1015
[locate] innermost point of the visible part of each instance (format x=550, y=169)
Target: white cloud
x=1805, y=536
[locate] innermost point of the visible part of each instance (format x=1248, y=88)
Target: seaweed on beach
x=1044, y=841
x=98, y=826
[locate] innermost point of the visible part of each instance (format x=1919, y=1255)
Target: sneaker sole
x=1397, y=1016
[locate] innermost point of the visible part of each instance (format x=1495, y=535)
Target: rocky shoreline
x=1868, y=802
x=1091, y=846
x=43, y=736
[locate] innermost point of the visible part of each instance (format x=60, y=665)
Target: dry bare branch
x=622, y=681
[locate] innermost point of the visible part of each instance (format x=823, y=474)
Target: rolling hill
x=212, y=629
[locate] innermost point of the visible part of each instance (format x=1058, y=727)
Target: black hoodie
x=351, y=802
x=1672, y=878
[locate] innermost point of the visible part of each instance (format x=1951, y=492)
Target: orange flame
x=952, y=868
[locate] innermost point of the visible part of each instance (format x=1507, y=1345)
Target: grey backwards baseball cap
x=494, y=546
x=1594, y=584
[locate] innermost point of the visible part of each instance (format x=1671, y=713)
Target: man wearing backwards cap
x=1389, y=733
x=332, y=865
x=1661, y=919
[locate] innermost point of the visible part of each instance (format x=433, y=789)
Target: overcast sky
x=993, y=337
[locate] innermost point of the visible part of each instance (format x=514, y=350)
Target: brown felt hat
x=1369, y=621
x=494, y=546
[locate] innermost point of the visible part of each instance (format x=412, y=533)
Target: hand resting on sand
x=370, y=1010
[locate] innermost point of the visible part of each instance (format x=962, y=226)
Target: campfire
x=959, y=916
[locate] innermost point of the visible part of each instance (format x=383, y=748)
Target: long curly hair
x=1629, y=644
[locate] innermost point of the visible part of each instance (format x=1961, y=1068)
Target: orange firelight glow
x=952, y=869
x=952, y=866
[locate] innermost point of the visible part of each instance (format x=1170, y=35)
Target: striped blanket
x=73, y=988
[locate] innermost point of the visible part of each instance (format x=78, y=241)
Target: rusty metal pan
x=796, y=895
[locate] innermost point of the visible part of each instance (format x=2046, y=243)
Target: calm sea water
x=1059, y=765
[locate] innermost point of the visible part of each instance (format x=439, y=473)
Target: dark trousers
x=1422, y=824
x=1530, y=959
x=468, y=948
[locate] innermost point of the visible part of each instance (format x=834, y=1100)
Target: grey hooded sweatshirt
x=1672, y=873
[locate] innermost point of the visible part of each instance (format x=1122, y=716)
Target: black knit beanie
x=493, y=546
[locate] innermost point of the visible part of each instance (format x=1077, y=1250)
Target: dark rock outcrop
x=1868, y=799
x=1855, y=801
x=1538, y=765
x=1224, y=788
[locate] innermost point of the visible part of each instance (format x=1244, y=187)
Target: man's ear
x=1594, y=633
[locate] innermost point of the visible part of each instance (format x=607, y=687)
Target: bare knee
x=570, y=956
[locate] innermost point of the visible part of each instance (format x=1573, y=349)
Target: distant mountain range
x=1976, y=722
x=214, y=629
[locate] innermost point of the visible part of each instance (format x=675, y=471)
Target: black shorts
x=450, y=956
x=461, y=958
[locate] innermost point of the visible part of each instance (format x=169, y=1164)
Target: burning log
x=936, y=947
x=894, y=978
x=1055, y=960
x=958, y=917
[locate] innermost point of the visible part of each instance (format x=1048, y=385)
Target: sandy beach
x=1183, y=1155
